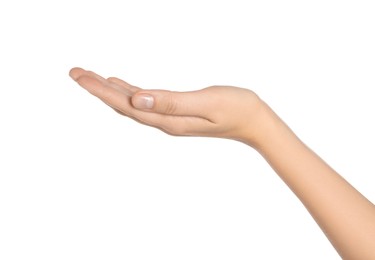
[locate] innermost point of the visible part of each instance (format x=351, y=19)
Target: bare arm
x=345, y=216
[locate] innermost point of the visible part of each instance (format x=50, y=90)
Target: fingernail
x=143, y=101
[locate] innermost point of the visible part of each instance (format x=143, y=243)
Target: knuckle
x=112, y=79
x=170, y=107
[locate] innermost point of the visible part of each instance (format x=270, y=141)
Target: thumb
x=170, y=103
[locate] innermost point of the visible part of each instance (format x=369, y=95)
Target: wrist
x=267, y=129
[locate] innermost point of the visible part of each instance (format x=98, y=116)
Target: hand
x=217, y=111
x=239, y=114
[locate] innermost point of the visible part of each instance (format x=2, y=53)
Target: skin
x=345, y=216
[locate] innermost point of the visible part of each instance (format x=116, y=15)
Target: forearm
x=345, y=216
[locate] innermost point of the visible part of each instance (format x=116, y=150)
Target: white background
x=78, y=181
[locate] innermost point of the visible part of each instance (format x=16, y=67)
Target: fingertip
x=76, y=72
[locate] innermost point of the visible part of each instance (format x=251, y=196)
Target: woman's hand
x=217, y=111
x=345, y=215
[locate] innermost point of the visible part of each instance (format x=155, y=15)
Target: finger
x=76, y=73
x=123, y=84
x=118, y=84
x=173, y=125
x=194, y=103
x=176, y=125
x=94, y=75
x=121, y=89
x=113, y=97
